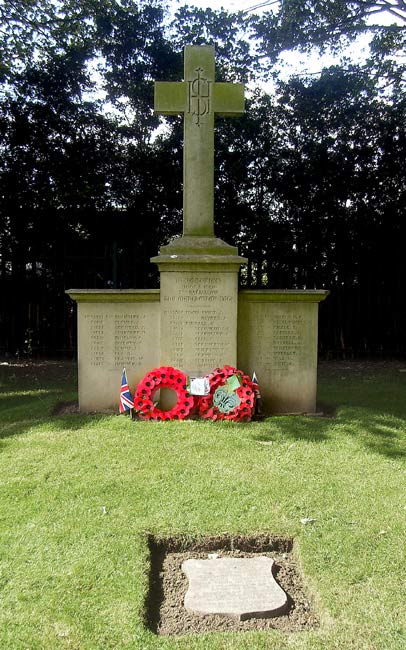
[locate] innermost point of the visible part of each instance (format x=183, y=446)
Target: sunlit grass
x=78, y=494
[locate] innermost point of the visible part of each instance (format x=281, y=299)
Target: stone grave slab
x=241, y=588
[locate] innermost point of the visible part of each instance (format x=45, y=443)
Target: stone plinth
x=241, y=588
x=116, y=329
x=277, y=338
x=199, y=303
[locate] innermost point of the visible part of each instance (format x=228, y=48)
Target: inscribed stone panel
x=279, y=341
x=112, y=336
x=198, y=320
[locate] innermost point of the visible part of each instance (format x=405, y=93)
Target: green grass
x=79, y=493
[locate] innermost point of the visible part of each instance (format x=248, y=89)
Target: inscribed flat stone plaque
x=242, y=588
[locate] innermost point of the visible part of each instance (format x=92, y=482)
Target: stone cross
x=199, y=98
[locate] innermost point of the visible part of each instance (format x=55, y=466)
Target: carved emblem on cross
x=199, y=96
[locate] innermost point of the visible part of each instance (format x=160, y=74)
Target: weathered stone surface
x=198, y=320
x=187, y=252
x=199, y=272
x=241, y=588
x=199, y=98
x=277, y=338
x=116, y=329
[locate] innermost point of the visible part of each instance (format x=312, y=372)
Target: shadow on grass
x=382, y=434
x=383, y=392
x=59, y=424
x=21, y=399
x=310, y=429
x=26, y=405
x=31, y=398
x=155, y=596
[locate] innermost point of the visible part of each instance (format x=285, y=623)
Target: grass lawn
x=79, y=493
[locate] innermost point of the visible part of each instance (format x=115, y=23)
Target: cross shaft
x=199, y=98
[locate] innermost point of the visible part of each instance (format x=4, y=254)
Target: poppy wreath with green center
x=164, y=377
x=220, y=406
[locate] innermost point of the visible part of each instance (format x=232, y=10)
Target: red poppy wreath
x=231, y=396
x=164, y=377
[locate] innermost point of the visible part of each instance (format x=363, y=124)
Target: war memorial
x=199, y=319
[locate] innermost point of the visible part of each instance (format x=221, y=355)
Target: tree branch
x=260, y=6
x=393, y=8
x=398, y=15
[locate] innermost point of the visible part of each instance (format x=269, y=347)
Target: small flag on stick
x=258, y=398
x=126, y=401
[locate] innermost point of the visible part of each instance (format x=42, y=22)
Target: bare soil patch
x=166, y=614
x=65, y=408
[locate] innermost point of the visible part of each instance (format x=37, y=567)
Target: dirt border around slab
x=165, y=613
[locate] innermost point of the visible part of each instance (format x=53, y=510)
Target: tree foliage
x=310, y=182
x=333, y=25
x=322, y=23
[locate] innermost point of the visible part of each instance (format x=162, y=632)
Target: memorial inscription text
x=277, y=340
x=197, y=316
x=115, y=339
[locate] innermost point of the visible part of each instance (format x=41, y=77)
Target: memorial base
x=197, y=322
x=199, y=304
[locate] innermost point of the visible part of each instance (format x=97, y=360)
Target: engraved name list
x=197, y=316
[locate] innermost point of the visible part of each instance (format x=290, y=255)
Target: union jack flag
x=126, y=401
